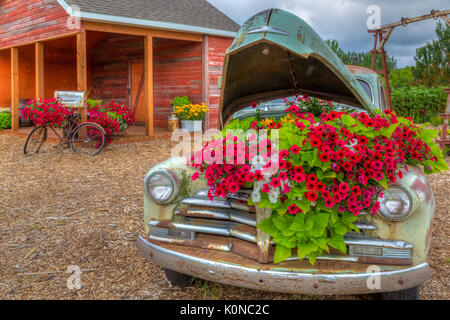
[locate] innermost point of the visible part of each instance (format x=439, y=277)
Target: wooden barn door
x=137, y=90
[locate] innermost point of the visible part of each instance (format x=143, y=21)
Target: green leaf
x=288, y=242
x=298, y=223
x=322, y=243
x=320, y=224
x=348, y=120
x=384, y=183
x=340, y=228
x=281, y=253
x=268, y=226
x=312, y=258
x=310, y=156
x=303, y=249
x=387, y=132
x=338, y=243
x=348, y=217
x=283, y=223
x=307, y=226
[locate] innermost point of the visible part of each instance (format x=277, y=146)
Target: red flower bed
x=45, y=112
x=113, y=117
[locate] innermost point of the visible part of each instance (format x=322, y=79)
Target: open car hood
x=276, y=54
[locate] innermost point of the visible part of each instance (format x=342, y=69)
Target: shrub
x=436, y=121
x=419, y=103
x=113, y=117
x=5, y=120
x=180, y=101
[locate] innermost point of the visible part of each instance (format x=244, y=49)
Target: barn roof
x=186, y=15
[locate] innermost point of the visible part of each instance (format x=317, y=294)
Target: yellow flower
x=267, y=122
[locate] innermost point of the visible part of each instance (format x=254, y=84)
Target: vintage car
x=274, y=55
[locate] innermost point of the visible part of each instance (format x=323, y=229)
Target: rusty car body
x=276, y=54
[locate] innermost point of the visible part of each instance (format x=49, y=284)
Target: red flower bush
x=45, y=112
x=322, y=173
x=111, y=117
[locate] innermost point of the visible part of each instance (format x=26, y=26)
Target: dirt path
x=58, y=209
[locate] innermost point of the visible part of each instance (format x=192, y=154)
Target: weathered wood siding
x=25, y=21
x=177, y=70
x=217, y=47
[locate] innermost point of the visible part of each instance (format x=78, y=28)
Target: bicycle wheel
x=88, y=138
x=35, y=140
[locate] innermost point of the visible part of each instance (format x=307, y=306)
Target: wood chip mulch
x=59, y=209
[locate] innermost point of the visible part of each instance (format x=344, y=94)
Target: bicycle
x=86, y=138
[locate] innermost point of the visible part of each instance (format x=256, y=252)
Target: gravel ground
x=59, y=209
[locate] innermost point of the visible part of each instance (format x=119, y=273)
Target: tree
x=432, y=60
x=399, y=78
x=363, y=59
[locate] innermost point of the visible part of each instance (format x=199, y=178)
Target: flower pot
x=192, y=125
x=173, y=122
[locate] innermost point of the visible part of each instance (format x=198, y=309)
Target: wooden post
x=82, y=69
x=148, y=67
x=205, y=76
x=15, y=89
x=39, y=70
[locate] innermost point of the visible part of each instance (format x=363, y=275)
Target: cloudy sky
x=346, y=20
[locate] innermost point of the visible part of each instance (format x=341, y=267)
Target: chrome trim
x=364, y=226
x=230, y=214
x=240, y=205
x=283, y=279
x=215, y=227
x=221, y=247
x=206, y=203
x=362, y=241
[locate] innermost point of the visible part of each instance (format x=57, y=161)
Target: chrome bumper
x=283, y=279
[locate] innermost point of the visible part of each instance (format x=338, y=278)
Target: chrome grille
x=232, y=217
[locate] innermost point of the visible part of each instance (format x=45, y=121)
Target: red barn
x=115, y=50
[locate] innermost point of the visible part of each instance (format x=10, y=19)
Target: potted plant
x=174, y=121
x=192, y=116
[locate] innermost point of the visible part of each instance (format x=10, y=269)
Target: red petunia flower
x=311, y=196
x=356, y=191
x=293, y=209
x=325, y=157
x=295, y=149
x=275, y=182
x=320, y=186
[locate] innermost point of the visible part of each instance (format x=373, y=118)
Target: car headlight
x=396, y=204
x=162, y=185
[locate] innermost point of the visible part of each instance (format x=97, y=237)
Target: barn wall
x=25, y=21
x=5, y=78
x=108, y=61
x=60, y=66
x=177, y=71
x=217, y=47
